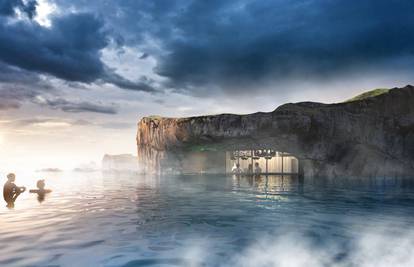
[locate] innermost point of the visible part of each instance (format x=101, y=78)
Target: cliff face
x=369, y=137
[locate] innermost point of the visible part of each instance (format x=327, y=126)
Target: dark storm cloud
x=230, y=44
x=18, y=86
x=9, y=7
x=144, y=56
x=13, y=75
x=70, y=49
x=75, y=107
x=142, y=85
x=234, y=43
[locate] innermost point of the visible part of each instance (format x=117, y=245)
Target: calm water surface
x=95, y=219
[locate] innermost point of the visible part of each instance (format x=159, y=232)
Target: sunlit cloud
x=44, y=10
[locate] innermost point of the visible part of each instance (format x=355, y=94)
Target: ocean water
x=98, y=219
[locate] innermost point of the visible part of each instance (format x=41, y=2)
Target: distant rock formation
x=123, y=162
x=87, y=167
x=373, y=136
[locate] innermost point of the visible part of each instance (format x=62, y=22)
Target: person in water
x=237, y=170
x=249, y=169
x=257, y=169
x=11, y=191
x=40, y=191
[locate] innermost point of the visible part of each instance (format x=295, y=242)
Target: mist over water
x=101, y=219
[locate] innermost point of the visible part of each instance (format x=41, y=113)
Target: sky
x=77, y=75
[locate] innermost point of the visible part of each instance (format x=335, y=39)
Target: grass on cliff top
x=372, y=93
x=154, y=117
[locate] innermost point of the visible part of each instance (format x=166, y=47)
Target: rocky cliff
x=368, y=137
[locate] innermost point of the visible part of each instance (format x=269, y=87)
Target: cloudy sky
x=76, y=75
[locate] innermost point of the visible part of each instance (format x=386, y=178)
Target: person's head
x=238, y=165
x=40, y=184
x=11, y=177
x=256, y=164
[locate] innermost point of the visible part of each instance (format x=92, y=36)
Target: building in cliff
x=224, y=161
x=123, y=162
x=370, y=136
x=268, y=160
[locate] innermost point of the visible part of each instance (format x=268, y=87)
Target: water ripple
x=178, y=221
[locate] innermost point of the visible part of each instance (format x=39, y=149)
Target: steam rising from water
x=374, y=246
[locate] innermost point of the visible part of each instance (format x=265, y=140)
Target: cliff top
x=372, y=94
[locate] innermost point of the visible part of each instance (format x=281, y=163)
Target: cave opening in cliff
x=270, y=161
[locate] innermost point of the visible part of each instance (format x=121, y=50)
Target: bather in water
x=40, y=191
x=11, y=191
x=257, y=169
x=236, y=169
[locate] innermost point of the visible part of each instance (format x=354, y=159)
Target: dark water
x=96, y=219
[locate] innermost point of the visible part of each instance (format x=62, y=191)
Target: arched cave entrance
x=271, y=161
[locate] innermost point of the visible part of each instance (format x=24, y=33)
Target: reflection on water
x=268, y=184
x=99, y=219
